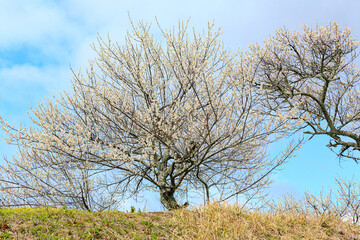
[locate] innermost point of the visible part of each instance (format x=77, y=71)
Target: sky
x=41, y=39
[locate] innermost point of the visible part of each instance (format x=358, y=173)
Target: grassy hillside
x=211, y=222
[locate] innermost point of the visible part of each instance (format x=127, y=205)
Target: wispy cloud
x=26, y=84
x=36, y=22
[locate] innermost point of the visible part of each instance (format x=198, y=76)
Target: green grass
x=211, y=222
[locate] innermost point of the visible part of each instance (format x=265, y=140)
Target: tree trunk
x=168, y=200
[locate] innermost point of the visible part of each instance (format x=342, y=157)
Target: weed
x=95, y=233
x=148, y=224
x=132, y=209
x=5, y=235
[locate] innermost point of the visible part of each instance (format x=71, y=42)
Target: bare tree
x=170, y=117
x=33, y=179
x=314, y=72
x=343, y=202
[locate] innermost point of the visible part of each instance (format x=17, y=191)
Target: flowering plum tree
x=175, y=116
x=314, y=70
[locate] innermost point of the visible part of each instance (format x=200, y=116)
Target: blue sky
x=40, y=39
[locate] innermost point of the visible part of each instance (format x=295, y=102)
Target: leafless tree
x=170, y=117
x=314, y=72
x=33, y=179
x=343, y=202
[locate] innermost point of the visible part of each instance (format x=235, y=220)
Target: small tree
x=171, y=117
x=33, y=179
x=343, y=202
x=314, y=72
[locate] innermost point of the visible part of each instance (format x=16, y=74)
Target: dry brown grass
x=226, y=221
x=214, y=221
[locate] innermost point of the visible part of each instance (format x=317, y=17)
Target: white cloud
x=25, y=83
x=33, y=22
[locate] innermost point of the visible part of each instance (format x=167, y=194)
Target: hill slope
x=211, y=222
